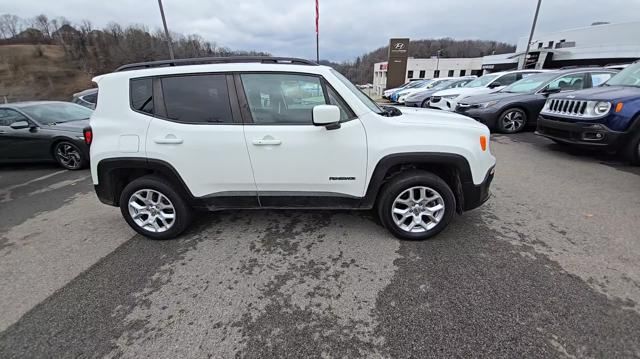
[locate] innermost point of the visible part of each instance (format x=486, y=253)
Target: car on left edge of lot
x=44, y=131
x=87, y=98
x=518, y=105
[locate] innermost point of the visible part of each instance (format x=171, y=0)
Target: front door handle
x=267, y=142
x=168, y=140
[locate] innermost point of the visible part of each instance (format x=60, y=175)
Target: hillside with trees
x=43, y=58
x=51, y=58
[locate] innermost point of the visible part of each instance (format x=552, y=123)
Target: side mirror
x=549, y=91
x=494, y=84
x=19, y=125
x=326, y=115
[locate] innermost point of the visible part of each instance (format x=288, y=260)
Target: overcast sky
x=348, y=28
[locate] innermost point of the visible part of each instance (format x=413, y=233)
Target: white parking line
x=5, y=194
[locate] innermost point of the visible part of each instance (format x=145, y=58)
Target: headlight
x=487, y=104
x=602, y=108
x=449, y=97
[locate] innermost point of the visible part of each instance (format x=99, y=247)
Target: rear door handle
x=168, y=140
x=267, y=142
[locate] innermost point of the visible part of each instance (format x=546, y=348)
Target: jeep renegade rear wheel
x=154, y=209
x=416, y=205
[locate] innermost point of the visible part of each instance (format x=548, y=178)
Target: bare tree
x=10, y=25
x=41, y=22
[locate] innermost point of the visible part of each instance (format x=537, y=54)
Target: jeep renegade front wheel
x=416, y=205
x=154, y=209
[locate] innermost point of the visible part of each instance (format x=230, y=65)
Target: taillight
x=88, y=135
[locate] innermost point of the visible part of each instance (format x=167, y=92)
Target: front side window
x=197, y=98
x=9, y=116
x=287, y=98
x=141, y=95
x=568, y=83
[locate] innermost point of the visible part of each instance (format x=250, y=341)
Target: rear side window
x=141, y=93
x=197, y=98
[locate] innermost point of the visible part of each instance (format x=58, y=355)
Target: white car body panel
x=220, y=158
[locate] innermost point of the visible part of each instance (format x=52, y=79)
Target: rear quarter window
x=141, y=95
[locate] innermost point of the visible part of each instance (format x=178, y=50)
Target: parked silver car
x=87, y=98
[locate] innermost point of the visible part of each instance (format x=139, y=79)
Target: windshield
x=57, y=112
x=415, y=84
x=530, y=83
x=630, y=76
x=482, y=81
x=361, y=95
x=442, y=85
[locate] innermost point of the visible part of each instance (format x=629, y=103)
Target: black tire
x=403, y=182
x=183, y=214
x=518, y=116
x=632, y=150
x=69, y=156
x=425, y=103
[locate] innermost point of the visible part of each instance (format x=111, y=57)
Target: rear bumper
x=580, y=133
x=476, y=195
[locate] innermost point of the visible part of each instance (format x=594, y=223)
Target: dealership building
x=598, y=44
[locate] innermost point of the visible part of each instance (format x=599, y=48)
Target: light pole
x=533, y=28
x=438, y=62
x=166, y=30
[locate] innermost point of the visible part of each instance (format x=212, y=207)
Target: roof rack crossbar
x=216, y=60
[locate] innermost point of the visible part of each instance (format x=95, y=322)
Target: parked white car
x=168, y=137
x=448, y=99
x=404, y=94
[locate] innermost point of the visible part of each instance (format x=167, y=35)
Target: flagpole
x=317, y=32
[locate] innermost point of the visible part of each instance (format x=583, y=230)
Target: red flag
x=317, y=17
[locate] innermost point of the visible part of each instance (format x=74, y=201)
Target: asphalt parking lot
x=549, y=267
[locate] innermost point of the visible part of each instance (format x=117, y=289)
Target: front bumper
x=487, y=116
x=580, y=133
x=475, y=195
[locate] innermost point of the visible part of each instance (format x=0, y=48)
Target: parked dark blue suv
x=606, y=117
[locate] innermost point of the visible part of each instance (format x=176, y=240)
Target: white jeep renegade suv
x=168, y=137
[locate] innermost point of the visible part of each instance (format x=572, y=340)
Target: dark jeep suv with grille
x=605, y=117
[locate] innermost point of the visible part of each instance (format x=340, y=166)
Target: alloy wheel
x=151, y=210
x=512, y=121
x=69, y=156
x=418, y=209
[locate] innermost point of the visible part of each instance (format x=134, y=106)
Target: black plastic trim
x=379, y=177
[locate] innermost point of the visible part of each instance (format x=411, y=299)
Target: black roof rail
x=216, y=60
